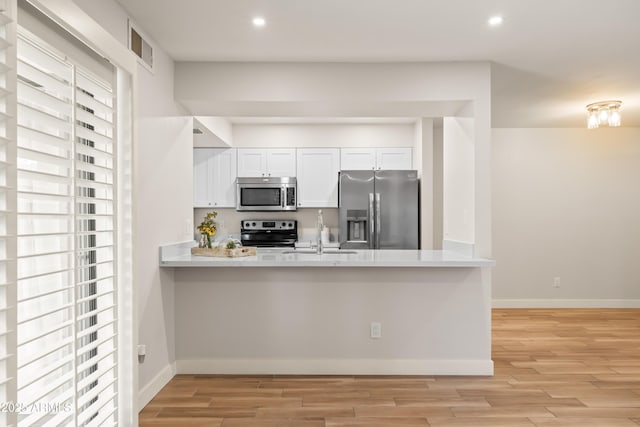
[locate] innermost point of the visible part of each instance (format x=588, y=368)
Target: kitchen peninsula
x=407, y=312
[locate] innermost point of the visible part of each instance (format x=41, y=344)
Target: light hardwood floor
x=553, y=367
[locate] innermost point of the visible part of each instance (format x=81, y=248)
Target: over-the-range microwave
x=266, y=194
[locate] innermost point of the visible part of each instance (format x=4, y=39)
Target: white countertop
x=179, y=255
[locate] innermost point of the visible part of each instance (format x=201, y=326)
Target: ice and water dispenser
x=357, y=222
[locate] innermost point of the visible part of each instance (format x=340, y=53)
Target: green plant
x=231, y=244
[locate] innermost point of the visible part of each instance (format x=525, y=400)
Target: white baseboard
x=566, y=303
x=149, y=390
x=335, y=367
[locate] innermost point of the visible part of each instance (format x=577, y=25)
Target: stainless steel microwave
x=266, y=194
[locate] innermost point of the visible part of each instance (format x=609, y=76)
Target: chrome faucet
x=319, y=226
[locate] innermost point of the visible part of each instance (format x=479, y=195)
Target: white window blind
x=66, y=286
x=7, y=211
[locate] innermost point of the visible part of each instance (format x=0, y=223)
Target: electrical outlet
x=376, y=330
x=556, y=282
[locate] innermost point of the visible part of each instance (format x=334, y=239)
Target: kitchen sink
x=325, y=252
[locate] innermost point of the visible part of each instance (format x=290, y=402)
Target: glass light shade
x=603, y=115
x=592, y=120
x=614, y=117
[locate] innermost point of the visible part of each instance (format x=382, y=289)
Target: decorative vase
x=205, y=241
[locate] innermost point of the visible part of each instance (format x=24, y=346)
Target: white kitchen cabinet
x=317, y=174
x=214, y=177
x=375, y=158
x=393, y=158
x=357, y=158
x=257, y=162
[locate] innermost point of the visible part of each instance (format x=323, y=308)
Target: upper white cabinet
x=393, y=158
x=357, y=158
x=214, y=177
x=259, y=162
x=318, y=177
x=375, y=158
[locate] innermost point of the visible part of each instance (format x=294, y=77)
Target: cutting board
x=224, y=252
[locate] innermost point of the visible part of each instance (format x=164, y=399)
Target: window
x=66, y=281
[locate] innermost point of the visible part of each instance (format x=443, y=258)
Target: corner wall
x=566, y=204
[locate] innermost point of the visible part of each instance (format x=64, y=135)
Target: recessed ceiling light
x=259, y=21
x=495, y=21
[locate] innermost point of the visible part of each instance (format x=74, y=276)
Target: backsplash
x=228, y=221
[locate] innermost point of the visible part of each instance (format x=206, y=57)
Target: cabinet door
x=393, y=158
x=281, y=162
x=252, y=162
x=223, y=171
x=357, y=158
x=318, y=177
x=202, y=188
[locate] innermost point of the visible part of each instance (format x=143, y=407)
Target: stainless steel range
x=282, y=233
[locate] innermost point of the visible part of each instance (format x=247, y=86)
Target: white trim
x=335, y=366
x=464, y=248
x=566, y=303
x=175, y=250
x=76, y=21
x=153, y=387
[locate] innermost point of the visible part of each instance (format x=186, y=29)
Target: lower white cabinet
x=317, y=173
x=214, y=177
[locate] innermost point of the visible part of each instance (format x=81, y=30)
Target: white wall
x=459, y=196
x=424, y=161
x=438, y=177
x=324, y=135
x=216, y=132
x=316, y=320
x=162, y=212
x=162, y=197
x=566, y=203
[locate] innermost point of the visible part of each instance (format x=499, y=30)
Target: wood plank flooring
x=553, y=367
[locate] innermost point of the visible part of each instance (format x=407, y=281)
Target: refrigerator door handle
x=377, y=220
x=372, y=229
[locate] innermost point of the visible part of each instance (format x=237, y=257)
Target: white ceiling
x=550, y=57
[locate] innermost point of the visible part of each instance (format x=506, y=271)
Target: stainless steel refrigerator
x=379, y=209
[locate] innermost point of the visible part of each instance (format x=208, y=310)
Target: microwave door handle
x=372, y=229
x=378, y=221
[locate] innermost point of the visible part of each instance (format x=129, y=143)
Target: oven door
x=264, y=239
x=252, y=197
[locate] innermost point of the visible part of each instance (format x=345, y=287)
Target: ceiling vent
x=140, y=46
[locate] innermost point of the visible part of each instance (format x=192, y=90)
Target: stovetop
x=281, y=233
x=269, y=225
